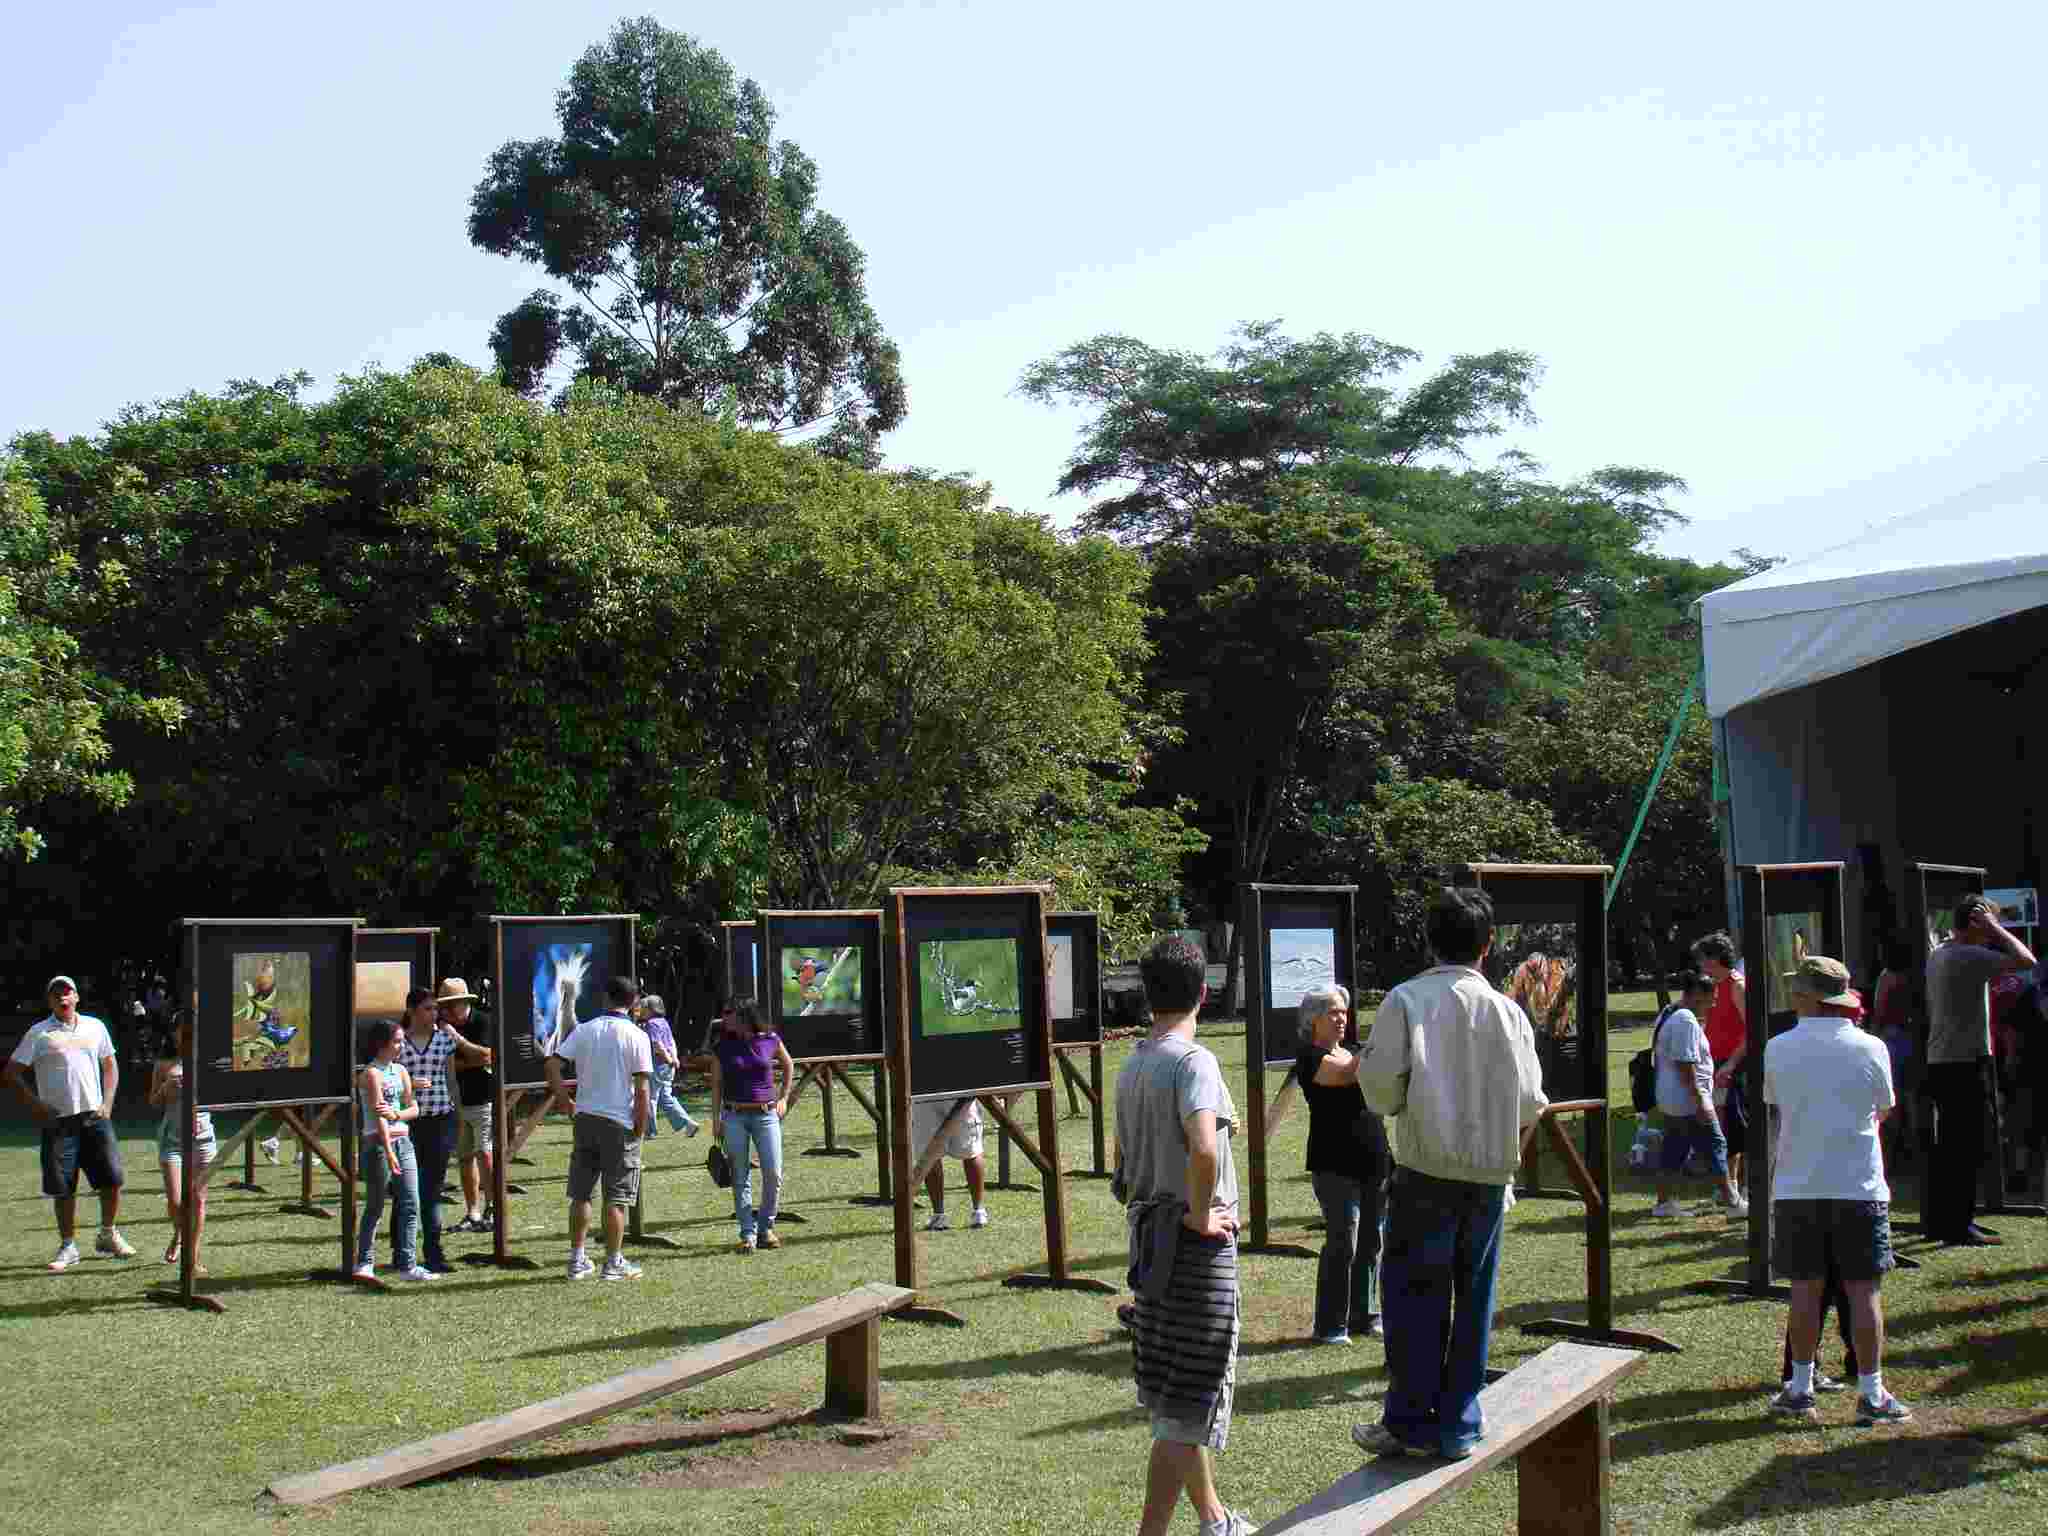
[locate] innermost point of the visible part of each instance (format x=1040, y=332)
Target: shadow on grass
x=1851, y=1472
x=520, y=1469
x=61, y=1306
x=672, y=1338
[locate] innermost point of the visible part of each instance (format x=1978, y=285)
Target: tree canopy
x=699, y=268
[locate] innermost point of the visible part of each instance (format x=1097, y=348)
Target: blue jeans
x=433, y=1138
x=1443, y=1249
x=755, y=1130
x=377, y=1178
x=666, y=1102
x=1354, y=1214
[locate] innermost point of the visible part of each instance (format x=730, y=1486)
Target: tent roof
x=1974, y=558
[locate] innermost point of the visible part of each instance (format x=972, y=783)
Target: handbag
x=719, y=1166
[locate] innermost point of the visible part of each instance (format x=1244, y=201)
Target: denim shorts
x=1808, y=1235
x=80, y=1142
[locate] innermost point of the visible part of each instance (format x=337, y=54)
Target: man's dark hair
x=1694, y=981
x=1173, y=970
x=1969, y=908
x=1716, y=946
x=1460, y=924
x=622, y=991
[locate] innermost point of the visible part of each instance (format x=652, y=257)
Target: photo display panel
x=276, y=1012
x=551, y=977
x=742, y=980
x=1073, y=976
x=825, y=981
x=1795, y=925
x=976, y=992
x=1549, y=954
x=390, y=962
x=1304, y=941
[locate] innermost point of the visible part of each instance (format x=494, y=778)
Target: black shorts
x=80, y=1142
x=1735, y=1114
x=1810, y=1236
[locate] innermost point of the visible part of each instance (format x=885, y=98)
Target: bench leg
x=853, y=1370
x=1563, y=1478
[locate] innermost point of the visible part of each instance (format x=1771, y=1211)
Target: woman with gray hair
x=1347, y=1167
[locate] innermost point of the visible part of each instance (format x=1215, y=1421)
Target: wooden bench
x=849, y=1325
x=1550, y=1415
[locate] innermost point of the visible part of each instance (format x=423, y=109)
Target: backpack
x=1642, y=1069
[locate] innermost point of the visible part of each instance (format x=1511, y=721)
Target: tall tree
x=699, y=268
x=1184, y=431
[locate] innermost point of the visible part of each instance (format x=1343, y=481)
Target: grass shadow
x=1846, y=1474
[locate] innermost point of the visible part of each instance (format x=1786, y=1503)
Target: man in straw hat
x=1830, y=1084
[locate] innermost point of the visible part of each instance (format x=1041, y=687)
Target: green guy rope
x=1663, y=762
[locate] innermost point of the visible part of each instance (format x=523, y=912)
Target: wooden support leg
x=1564, y=1478
x=1095, y=1085
x=853, y=1370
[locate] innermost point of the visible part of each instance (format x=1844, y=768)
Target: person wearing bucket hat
x=1978, y=951
x=1831, y=1084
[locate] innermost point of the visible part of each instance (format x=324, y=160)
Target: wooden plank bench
x=1550, y=1415
x=849, y=1325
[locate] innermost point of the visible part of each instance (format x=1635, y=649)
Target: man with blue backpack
x=1684, y=1066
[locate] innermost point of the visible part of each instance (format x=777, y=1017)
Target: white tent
x=1881, y=701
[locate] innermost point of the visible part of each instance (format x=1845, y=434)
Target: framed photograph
x=390, y=962
x=742, y=961
x=551, y=974
x=974, y=991
x=1073, y=976
x=1299, y=938
x=275, y=1010
x=1549, y=954
x=2018, y=907
x=825, y=981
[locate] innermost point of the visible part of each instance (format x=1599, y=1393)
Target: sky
x=1791, y=253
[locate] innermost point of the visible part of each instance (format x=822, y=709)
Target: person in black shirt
x=1347, y=1166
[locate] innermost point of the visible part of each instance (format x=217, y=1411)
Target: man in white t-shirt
x=1685, y=1097
x=963, y=1141
x=1830, y=1083
x=71, y=1056
x=614, y=1109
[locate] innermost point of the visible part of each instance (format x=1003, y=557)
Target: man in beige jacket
x=1452, y=1063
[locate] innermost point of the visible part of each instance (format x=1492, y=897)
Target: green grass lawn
x=130, y=1417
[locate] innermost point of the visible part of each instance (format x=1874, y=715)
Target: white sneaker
x=938, y=1223
x=979, y=1218
x=1739, y=1211
x=620, y=1268
x=270, y=1149
x=580, y=1267
x=1666, y=1210
x=111, y=1241
x=364, y=1272
x=419, y=1272
x=67, y=1255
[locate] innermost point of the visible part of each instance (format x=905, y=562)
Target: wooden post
x=1054, y=1186
x=907, y=1266
x=1563, y=1478
x=1101, y=1110
x=884, y=1113
x=1255, y=1063
x=853, y=1370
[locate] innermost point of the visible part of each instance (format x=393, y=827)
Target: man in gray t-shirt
x=1174, y=1173
x=1958, y=1040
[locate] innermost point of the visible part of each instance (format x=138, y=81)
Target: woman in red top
x=1727, y=1027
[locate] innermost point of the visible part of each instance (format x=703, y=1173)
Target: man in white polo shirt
x=72, y=1057
x=1830, y=1083
x=614, y=1109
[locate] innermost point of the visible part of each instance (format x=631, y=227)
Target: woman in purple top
x=650, y=1016
x=744, y=1101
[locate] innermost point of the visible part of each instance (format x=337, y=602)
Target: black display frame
x=413, y=945
x=952, y=1065
x=211, y=944
x=618, y=927
x=1084, y=1025
x=778, y=930
x=740, y=972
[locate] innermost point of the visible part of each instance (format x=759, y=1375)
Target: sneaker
x=1739, y=1211
x=1822, y=1382
x=1890, y=1411
x=363, y=1272
x=979, y=1218
x=1666, y=1210
x=418, y=1272
x=1793, y=1405
x=1333, y=1338
x=439, y=1265
x=111, y=1241
x=745, y=1245
x=767, y=1239
x=1127, y=1315
x=1378, y=1440
x=1371, y=1328
x=67, y=1255
x=691, y=1130
x=938, y=1223
x=580, y=1267
x=270, y=1149
x=619, y=1267
x=1235, y=1522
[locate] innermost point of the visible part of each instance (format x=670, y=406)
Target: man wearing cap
x=476, y=1102
x=76, y=1075
x=1958, y=1044
x=1830, y=1083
